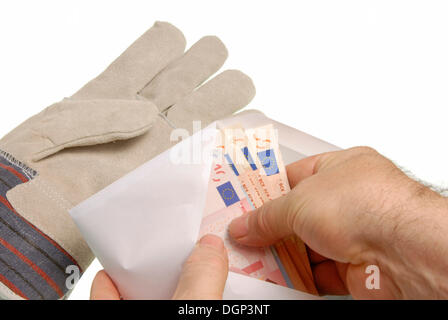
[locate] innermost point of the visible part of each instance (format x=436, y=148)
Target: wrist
x=417, y=256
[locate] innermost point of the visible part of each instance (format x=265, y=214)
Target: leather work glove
x=76, y=147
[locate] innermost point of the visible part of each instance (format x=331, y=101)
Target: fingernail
x=212, y=241
x=239, y=227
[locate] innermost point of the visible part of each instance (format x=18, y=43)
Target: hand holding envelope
x=247, y=172
x=142, y=235
x=148, y=251
x=203, y=276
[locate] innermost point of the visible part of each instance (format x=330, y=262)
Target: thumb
x=103, y=288
x=267, y=224
x=278, y=218
x=205, y=272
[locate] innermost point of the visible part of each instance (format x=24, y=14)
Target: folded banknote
x=247, y=172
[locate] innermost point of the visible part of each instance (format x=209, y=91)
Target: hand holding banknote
x=355, y=209
x=203, y=275
x=247, y=172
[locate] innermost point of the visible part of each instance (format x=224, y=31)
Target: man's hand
x=203, y=276
x=353, y=209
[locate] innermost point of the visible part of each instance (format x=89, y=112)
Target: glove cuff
x=35, y=263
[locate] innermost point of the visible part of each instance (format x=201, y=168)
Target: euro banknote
x=248, y=171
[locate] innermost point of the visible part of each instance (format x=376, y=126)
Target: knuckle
x=263, y=224
x=294, y=211
x=364, y=150
x=204, y=259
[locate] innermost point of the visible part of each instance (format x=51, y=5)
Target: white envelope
x=143, y=226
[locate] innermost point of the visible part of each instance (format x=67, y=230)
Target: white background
x=349, y=72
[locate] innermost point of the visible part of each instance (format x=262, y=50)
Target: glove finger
x=182, y=76
x=130, y=72
x=216, y=99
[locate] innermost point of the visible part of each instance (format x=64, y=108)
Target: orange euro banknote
x=248, y=172
x=227, y=200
